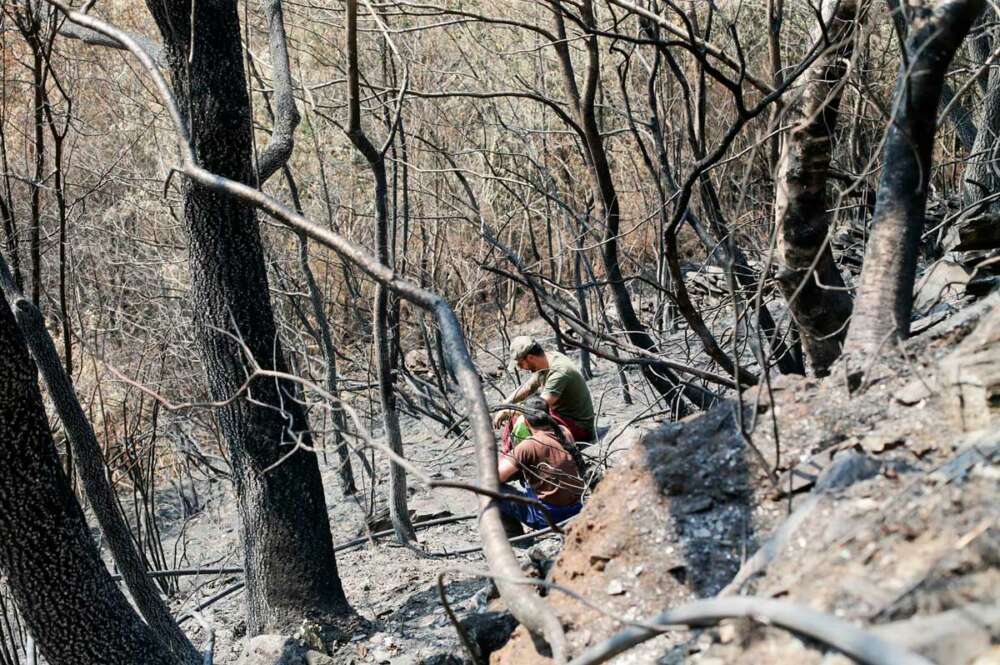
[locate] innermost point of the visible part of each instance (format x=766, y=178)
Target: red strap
x=579, y=434
x=506, y=440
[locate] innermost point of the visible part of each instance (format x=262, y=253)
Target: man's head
x=527, y=354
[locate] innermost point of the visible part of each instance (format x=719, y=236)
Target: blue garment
x=530, y=514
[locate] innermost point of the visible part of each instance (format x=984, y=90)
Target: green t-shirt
x=520, y=431
x=564, y=380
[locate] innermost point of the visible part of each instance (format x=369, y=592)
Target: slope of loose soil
x=685, y=506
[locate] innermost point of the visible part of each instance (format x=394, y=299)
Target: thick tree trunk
x=885, y=295
x=73, y=609
x=809, y=277
x=980, y=178
x=291, y=570
x=90, y=464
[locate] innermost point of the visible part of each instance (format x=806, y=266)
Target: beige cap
x=519, y=347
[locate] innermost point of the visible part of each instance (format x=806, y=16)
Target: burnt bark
x=960, y=117
x=662, y=378
x=885, y=295
x=808, y=275
x=89, y=462
x=7, y=211
x=291, y=569
x=981, y=177
x=324, y=336
x=385, y=347
x=72, y=607
x=286, y=114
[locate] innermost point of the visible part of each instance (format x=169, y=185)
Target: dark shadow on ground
x=701, y=466
x=425, y=602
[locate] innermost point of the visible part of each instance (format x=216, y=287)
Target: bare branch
x=286, y=114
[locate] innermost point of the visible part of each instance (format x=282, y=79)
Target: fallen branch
x=862, y=646
x=237, y=570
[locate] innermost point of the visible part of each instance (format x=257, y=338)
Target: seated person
x=562, y=387
x=514, y=432
x=545, y=464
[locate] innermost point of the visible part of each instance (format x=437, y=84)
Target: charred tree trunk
x=344, y=467
x=960, y=117
x=662, y=378
x=980, y=178
x=73, y=609
x=291, y=569
x=39, y=72
x=90, y=464
x=885, y=295
x=809, y=277
x=398, y=510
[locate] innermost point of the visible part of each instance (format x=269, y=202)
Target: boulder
x=970, y=376
x=281, y=650
x=418, y=362
x=982, y=232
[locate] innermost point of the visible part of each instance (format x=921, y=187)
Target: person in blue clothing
x=545, y=464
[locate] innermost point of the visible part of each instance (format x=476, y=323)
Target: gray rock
x=274, y=650
x=954, y=637
x=943, y=281
x=914, y=392
x=318, y=658
x=847, y=469
x=417, y=361
x=442, y=659
x=970, y=376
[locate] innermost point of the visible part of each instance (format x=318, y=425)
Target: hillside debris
x=893, y=522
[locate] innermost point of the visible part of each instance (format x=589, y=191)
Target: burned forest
x=499, y=332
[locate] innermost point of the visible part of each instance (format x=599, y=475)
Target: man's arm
x=523, y=392
x=507, y=468
x=526, y=389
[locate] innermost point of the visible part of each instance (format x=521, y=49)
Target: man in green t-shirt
x=561, y=384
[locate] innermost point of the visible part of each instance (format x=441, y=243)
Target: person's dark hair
x=533, y=350
x=536, y=413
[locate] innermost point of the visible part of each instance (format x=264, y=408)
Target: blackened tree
x=291, y=569
x=71, y=605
